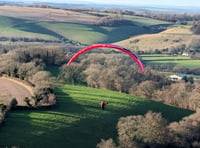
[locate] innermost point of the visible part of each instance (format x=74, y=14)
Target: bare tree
x=140, y=131
x=106, y=144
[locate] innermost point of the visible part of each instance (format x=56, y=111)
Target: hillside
x=77, y=120
x=172, y=37
x=157, y=59
x=31, y=24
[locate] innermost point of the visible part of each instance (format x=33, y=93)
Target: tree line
x=153, y=131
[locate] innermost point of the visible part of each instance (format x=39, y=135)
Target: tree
x=72, y=74
x=186, y=133
x=106, y=144
x=194, y=98
x=13, y=103
x=93, y=73
x=196, y=28
x=27, y=100
x=176, y=94
x=44, y=86
x=146, y=89
x=3, y=107
x=141, y=131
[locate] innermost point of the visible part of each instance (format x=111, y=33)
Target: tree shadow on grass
x=86, y=133
x=71, y=124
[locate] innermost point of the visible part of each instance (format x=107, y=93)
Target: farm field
x=174, y=36
x=91, y=34
x=176, y=60
x=137, y=20
x=46, y=14
x=11, y=89
x=77, y=120
x=57, y=24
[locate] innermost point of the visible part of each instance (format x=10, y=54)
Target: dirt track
x=10, y=89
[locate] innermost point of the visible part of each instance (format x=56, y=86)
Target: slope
x=172, y=37
x=53, y=25
x=77, y=120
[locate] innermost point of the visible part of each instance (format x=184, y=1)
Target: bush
x=13, y=103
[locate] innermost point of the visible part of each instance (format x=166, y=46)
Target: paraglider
x=103, y=104
x=132, y=55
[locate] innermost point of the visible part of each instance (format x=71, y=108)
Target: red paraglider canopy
x=132, y=55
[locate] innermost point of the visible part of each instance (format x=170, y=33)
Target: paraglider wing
x=132, y=55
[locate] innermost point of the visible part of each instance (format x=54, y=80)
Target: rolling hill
x=58, y=24
x=172, y=37
x=77, y=120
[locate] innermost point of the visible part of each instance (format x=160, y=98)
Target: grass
x=77, y=120
x=53, y=24
x=54, y=70
x=173, y=37
x=91, y=34
x=176, y=60
x=139, y=20
x=84, y=33
x=20, y=28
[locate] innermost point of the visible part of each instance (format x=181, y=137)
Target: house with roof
x=177, y=77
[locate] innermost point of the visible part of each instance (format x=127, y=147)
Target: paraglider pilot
x=103, y=104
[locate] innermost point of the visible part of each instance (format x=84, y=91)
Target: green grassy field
x=176, y=60
x=83, y=33
x=70, y=25
x=137, y=20
x=77, y=120
x=174, y=36
x=20, y=28
x=91, y=34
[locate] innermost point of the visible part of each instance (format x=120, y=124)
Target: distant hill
x=172, y=37
x=82, y=4
x=57, y=25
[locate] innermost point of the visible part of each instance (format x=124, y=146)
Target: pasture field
x=77, y=120
x=47, y=14
x=92, y=34
x=176, y=60
x=20, y=28
x=174, y=36
x=137, y=20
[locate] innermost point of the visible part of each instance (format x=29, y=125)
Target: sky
x=185, y=3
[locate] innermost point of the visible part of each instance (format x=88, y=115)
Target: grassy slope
x=77, y=120
x=15, y=27
x=84, y=33
x=54, y=24
x=165, y=59
x=138, y=20
x=175, y=36
x=91, y=34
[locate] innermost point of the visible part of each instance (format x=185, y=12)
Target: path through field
x=10, y=89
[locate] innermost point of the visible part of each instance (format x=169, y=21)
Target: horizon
x=156, y=3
